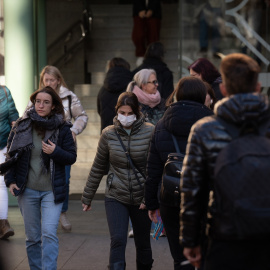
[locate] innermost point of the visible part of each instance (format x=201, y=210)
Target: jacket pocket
x=110, y=180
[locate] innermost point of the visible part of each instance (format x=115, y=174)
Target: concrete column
x=19, y=50
x=40, y=37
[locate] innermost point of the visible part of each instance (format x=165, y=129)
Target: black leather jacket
x=207, y=138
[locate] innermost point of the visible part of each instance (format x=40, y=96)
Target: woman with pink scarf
x=145, y=87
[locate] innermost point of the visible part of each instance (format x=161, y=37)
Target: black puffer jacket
x=207, y=138
x=177, y=120
x=164, y=75
x=115, y=83
x=63, y=154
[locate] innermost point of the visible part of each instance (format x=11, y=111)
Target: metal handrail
x=85, y=27
x=65, y=34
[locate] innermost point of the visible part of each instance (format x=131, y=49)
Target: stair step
x=82, y=90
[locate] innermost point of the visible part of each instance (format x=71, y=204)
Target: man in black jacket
x=228, y=246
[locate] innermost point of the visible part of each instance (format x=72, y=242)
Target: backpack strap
x=69, y=105
x=130, y=160
x=175, y=144
x=4, y=88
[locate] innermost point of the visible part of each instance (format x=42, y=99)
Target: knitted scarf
x=22, y=139
x=151, y=100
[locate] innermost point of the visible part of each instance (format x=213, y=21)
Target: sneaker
x=65, y=223
x=130, y=234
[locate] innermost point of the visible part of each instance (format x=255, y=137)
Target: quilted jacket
x=8, y=114
x=121, y=183
x=206, y=140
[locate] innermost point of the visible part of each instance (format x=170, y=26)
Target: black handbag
x=170, y=186
x=6, y=166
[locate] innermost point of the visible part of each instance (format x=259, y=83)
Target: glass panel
x=218, y=27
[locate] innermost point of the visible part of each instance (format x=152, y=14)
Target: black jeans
x=118, y=217
x=170, y=218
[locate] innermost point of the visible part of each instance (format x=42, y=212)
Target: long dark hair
x=189, y=88
x=129, y=99
x=56, y=100
x=206, y=69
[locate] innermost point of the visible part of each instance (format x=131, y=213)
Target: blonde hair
x=140, y=78
x=53, y=71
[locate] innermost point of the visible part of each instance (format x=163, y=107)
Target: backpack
x=242, y=181
x=170, y=191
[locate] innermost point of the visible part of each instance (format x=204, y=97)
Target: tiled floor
x=86, y=247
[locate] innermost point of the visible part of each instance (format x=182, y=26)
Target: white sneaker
x=65, y=223
x=139, y=61
x=130, y=234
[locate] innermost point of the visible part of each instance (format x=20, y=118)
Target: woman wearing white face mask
x=124, y=147
x=145, y=87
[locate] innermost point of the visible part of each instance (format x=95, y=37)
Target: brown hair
x=189, y=88
x=239, y=73
x=56, y=100
x=212, y=94
x=119, y=62
x=129, y=99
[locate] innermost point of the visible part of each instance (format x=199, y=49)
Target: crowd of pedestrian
x=211, y=117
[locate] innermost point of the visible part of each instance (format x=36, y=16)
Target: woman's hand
x=86, y=207
x=149, y=13
x=142, y=14
x=153, y=215
x=73, y=136
x=48, y=148
x=11, y=187
x=142, y=206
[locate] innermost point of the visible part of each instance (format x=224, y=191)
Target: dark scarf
x=23, y=140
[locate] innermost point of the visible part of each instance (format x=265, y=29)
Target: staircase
x=111, y=37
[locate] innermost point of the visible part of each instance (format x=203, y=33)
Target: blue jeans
x=118, y=217
x=65, y=204
x=41, y=217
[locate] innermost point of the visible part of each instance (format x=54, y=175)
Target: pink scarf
x=151, y=100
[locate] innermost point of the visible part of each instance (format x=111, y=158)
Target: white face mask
x=126, y=121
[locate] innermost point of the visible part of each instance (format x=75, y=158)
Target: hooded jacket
x=207, y=138
x=177, y=120
x=115, y=83
x=121, y=183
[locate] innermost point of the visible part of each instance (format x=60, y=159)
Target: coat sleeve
x=10, y=175
x=98, y=169
x=13, y=113
x=154, y=175
x=65, y=153
x=194, y=190
x=79, y=115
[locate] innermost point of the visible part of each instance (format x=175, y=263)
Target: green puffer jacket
x=121, y=183
x=8, y=114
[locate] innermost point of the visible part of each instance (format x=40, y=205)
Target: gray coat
x=121, y=183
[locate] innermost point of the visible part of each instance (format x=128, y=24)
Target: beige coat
x=77, y=112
